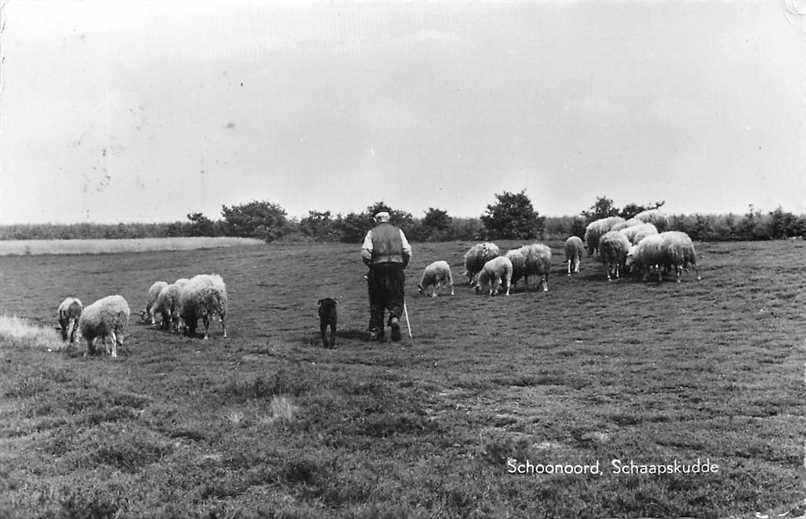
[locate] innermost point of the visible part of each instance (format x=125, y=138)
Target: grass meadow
x=101, y=246
x=267, y=423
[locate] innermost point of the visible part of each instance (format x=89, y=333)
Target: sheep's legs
x=569, y=268
x=224, y=324
x=545, y=280
x=206, y=322
x=114, y=345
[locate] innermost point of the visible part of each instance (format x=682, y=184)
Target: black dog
x=328, y=317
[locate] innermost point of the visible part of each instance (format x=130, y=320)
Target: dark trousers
x=385, y=282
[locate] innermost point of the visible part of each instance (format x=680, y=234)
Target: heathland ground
x=269, y=423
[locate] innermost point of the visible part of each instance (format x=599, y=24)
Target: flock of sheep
x=622, y=245
x=180, y=305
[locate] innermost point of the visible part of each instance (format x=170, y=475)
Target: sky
x=145, y=111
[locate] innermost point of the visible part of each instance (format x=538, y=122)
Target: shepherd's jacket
x=385, y=243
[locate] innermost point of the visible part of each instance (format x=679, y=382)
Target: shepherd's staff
x=408, y=324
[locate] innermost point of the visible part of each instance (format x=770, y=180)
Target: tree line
x=510, y=216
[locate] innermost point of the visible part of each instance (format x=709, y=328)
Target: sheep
x=670, y=249
x=538, y=261
x=597, y=229
x=626, y=224
x=167, y=305
x=638, y=232
x=153, y=293
x=477, y=256
x=496, y=271
x=680, y=252
x=69, y=312
x=203, y=296
x=106, y=317
x=613, y=249
x=435, y=275
x=654, y=216
x=574, y=249
x=518, y=260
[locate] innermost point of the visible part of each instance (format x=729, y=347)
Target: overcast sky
x=145, y=110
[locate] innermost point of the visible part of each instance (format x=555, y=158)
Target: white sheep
x=638, y=232
x=596, y=229
x=613, y=249
x=106, y=317
x=477, y=256
x=680, y=252
x=574, y=249
x=167, y=305
x=625, y=224
x=670, y=250
x=538, y=262
x=655, y=217
x=436, y=275
x=495, y=272
x=153, y=293
x=203, y=296
x=69, y=312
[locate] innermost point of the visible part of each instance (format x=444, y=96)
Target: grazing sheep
x=667, y=250
x=638, y=232
x=203, y=296
x=436, y=275
x=69, y=312
x=106, y=317
x=613, y=249
x=538, y=262
x=495, y=272
x=626, y=224
x=680, y=252
x=654, y=216
x=153, y=293
x=596, y=229
x=476, y=258
x=167, y=305
x=327, y=317
x=574, y=249
x=518, y=260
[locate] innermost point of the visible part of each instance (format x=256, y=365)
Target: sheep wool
x=436, y=275
x=613, y=249
x=477, y=256
x=573, y=253
x=654, y=216
x=637, y=232
x=167, y=305
x=495, y=272
x=596, y=229
x=153, y=294
x=68, y=313
x=538, y=262
x=203, y=296
x=105, y=318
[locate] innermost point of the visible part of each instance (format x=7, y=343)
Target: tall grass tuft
x=15, y=331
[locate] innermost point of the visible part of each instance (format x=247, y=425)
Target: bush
x=512, y=217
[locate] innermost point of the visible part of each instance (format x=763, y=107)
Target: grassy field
x=38, y=247
x=267, y=423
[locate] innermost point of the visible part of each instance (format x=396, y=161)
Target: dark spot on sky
x=230, y=126
x=241, y=83
x=103, y=152
x=82, y=37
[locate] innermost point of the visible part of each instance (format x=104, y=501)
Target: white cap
x=382, y=217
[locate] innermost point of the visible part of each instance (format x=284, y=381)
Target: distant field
x=38, y=247
x=267, y=423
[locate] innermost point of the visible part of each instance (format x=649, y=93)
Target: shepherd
x=387, y=253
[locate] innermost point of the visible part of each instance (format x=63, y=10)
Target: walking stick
x=408, y=325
